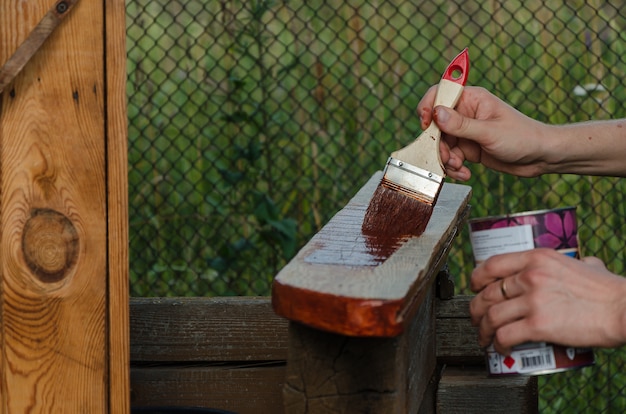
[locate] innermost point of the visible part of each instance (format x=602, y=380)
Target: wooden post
x=332, y=373
x=362, y=337
x=63, y=217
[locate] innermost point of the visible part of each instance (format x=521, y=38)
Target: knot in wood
x=49, y=244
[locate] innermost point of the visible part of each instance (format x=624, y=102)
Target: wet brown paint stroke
x=343, y=242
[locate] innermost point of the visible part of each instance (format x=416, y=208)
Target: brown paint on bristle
x=392, y=215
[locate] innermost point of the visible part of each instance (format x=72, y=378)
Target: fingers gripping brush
x=404, y=200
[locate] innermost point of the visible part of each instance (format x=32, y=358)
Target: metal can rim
x=521, y=214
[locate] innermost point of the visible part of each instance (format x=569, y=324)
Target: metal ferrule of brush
x=412, y=181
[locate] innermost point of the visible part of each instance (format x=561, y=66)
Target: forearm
x=592, y=148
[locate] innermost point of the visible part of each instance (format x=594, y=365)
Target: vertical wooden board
x=117, y=185
x=53, y=215
x=331, y=373
x=419, y=346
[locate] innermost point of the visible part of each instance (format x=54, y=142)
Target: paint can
x=556, y=229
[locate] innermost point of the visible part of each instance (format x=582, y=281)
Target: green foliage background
x=253, y=122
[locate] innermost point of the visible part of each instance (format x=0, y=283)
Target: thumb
x=453, y=123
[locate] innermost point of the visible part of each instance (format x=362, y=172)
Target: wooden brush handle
x=424, y=151
x=448, y=93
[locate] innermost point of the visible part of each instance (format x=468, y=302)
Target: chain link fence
x=253, y=122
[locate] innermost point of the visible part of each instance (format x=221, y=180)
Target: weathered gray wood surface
x=241, y=388
x=457, y=339
x=206, y=329
x=227, y=353
x=243, y=328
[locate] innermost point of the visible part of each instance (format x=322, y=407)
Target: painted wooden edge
x=117, y=194
x=342, y=315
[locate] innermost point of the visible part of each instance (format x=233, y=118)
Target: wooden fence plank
x=470, y=391
x=206, y=329
x=117, y=199
x=245, y=328
x=53, y=215
x=243, y=389
x=457, y=339
x=206, y=363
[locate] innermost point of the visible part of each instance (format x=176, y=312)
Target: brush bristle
x=393, y=214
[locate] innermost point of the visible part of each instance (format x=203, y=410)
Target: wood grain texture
x=52, y=158
x=245, y=328
x=331, y=373
x=469, y=391
x=205, y=351
x=239, y=388
x=227, y=353
x=48, y=23
x=117, y=207
x=457, y=339
x=206, y=329
x=337, y=282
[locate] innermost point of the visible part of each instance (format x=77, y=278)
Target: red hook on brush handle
x=458, y=70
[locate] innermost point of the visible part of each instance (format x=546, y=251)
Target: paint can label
x=556, y=229
x=537, y=358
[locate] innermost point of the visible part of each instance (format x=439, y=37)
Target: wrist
x=556, y=152
x=545, y=155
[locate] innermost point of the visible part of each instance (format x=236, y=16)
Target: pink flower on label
x=560, y=231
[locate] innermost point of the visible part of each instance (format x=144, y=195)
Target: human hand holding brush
x=536, y=295
x=484, y=129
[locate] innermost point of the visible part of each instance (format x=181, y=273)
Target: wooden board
x=457, y=339
x=206, y=329
x=57, y=355
x=346, y=283
x=469, y=391
x=238, y=388
x=227, y=353
x=117, y=206
x=246, y=328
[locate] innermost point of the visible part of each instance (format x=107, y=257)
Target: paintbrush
x=405, y=197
